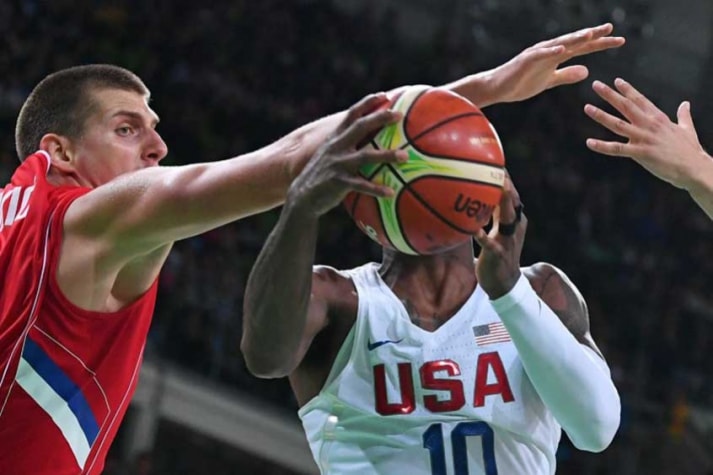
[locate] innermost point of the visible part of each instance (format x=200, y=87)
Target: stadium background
x=230, y=76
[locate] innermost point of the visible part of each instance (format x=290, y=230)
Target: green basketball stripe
x=420, y=165
x=390, y=137
x=393, y=136
x=368, y=169
x=387, y=208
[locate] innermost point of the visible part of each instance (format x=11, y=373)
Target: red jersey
x=66, y=374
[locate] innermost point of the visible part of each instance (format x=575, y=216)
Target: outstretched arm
x=550, y=332
x=141, y=211
x=285, y=304
x=185, y=201
x=668, y=150
x=537, y=68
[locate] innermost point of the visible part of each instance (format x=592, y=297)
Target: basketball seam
x=427, y=206
x=455, y=178
x=383, y=226
x=436, y=125
x=381, y=220
x=377, y=169
x=457, y=159
x=452, y=157
x=373, y=174
x=354, y=204
x=398, y=220
x=408, y=112
x=407, y=188
x=410, y=141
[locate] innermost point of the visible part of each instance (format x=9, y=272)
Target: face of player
x=119, y=137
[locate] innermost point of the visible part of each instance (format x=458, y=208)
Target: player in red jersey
x=88, y=220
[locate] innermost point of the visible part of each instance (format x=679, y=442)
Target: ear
x=59, y=149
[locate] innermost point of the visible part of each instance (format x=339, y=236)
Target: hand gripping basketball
x=508, y=229
x=451, y=183
x=334, y=170
x=498, y=266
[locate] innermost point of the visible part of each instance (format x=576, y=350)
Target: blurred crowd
x=234, y=75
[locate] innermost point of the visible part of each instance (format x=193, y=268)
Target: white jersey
x=403, y=400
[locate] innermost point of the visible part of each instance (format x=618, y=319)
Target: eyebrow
x=135, y=115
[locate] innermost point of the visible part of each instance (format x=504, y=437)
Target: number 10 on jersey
x=433, y=441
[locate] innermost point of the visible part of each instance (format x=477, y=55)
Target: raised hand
x=498, y=266
x=670, y=151
x=334, y=170
x=537, y=68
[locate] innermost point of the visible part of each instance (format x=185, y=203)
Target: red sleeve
x=60, y=200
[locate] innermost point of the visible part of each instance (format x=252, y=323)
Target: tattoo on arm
x=567, y=305
x=560, y=294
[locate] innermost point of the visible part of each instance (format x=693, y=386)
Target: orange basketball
x=450, y=185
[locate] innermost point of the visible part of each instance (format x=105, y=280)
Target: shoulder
x=552, y=285
x=346, y=279
x=562, y=296
x=333, y=286
x=334, y=292
x=67, y=200
x=329, y=276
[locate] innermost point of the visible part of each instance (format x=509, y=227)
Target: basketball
x=451, y=183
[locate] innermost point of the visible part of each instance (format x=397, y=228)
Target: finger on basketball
x=371, y=156
x=508, y=202
x=483, y=240
x=367, y=187
x=486, y=242
x=366, y=105
x=364, y=127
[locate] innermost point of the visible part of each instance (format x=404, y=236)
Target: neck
x=432, y=288
x=57, y=178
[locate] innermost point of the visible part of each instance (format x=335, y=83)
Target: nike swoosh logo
x=376, y=344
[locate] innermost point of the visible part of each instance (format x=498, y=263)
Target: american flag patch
x=490, y=333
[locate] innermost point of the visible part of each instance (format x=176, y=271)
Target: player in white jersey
x=403, y=399
x=424, y=365
x=436, y=364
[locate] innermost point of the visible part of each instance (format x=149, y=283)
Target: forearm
x=701, y=186
x=480, y=89
x=303, y=142
x=259, y=180
x=571, y=380
x=278, y=294
x=160, y=205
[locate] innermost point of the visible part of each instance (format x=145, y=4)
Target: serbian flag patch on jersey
x=60, y=383
x=490, y=333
